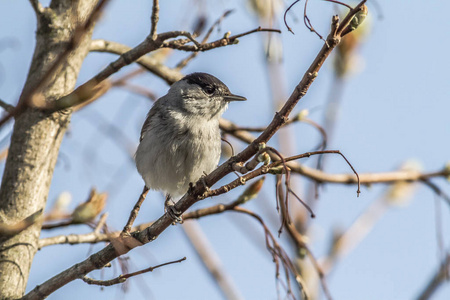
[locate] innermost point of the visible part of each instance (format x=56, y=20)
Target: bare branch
x=323, y=177
x=442, y=274
x=225, y=41
x=185, y=61
x=58, y=224
x=37, y=6
x=267, y=168
x=96, y=236
x=73, y=239
x=6, y=106
x=147, y=62
x=300, y=242
x=155, y=19
x=437, y=190
x=28, y=96
x=124, y=277
x=278, y=254
x=99, y=259
x=7, y=230
x=83, y=92
x=101, y=223
x=135, y=211
x=285, y=14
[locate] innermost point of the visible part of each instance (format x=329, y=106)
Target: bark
x=37, y=137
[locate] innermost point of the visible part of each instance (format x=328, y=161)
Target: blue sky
x=393, y=109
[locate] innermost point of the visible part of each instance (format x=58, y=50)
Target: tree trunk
x=36, y=139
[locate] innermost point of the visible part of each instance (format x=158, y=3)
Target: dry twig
x=122, y=278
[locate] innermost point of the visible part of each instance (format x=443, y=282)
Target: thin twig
x=124, y=277
x=6, y=106
x=135, y=211
x=285, y=14
x=266, y=168
x=437, y=190
x=155, y=19
x=308, y=22
x=323, y=177
x=101, y=223
x=278, y=254
x=303, y=203
x=308, y=154
x=225, y=41
x=301, y=244
x=437, y=280
x=37, y=6
x=60, y=224
x=185, y=61
x=80, y=94
x=146, y=61
x=8, y=230
x=96, y=237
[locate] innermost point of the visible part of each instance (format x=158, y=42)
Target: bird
x=180, y=139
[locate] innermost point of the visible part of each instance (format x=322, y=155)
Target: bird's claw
x=174, y=213
x=169, y=208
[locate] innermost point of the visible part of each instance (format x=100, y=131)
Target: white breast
x=170, y=158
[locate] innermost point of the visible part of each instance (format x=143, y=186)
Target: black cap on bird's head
x=212, y=86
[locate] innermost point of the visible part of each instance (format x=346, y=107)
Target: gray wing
x=157, y=109
x=148, y=121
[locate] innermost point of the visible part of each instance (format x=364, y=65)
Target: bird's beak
x=232, y=97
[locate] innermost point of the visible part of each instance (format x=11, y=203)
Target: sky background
x=395, y=107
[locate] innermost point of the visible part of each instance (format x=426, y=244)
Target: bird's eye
x=210, y=89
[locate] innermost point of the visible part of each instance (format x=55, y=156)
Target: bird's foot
x=175, y=214
x=169, y=208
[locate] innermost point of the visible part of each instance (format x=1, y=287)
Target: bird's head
x=202, y=95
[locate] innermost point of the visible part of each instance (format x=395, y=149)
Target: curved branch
x=83, y=92
x=323, y=177
x=147, y=62
x=110, y=252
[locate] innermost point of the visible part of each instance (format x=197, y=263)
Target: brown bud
x=89, y=210
x=251, y=191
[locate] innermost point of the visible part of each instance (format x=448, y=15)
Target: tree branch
x=155, y=19
x=147, y=62
x=122, y=278
x=6, y=106
x=28, y=96
x=135, y=211
x=83, y=92
x=62, y=39
x=436, y=281
x=323, y=177
x=225, y=41
x=37, y=7
x=99, y=259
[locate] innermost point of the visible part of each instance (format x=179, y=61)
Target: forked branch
x=101, y=258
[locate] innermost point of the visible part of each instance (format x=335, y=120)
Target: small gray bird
x=180, y=139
